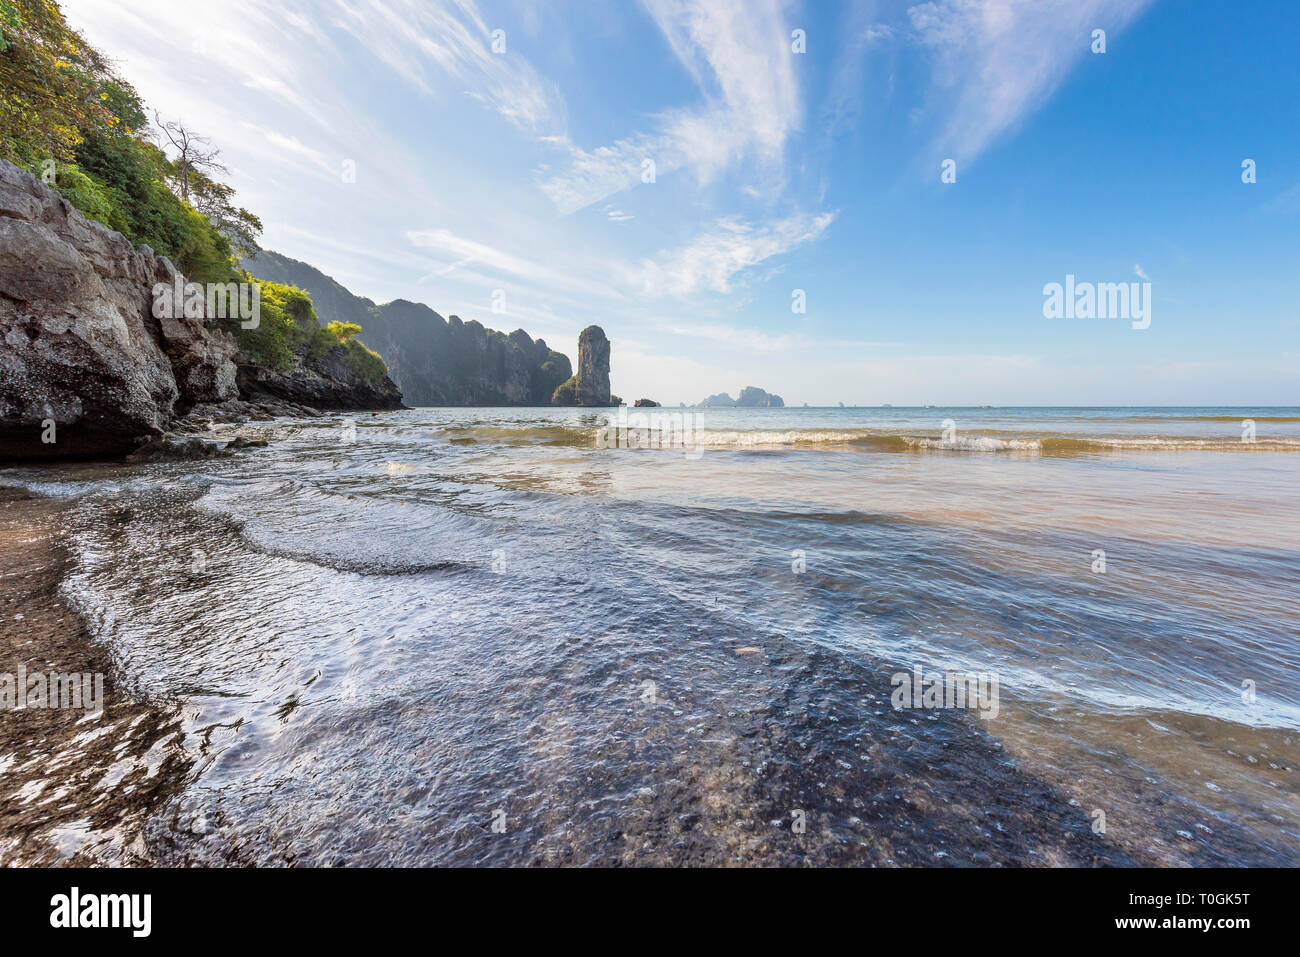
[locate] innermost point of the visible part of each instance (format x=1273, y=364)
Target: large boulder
x=593, y=367
x=85, y=368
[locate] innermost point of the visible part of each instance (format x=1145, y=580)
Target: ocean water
x=484, y=636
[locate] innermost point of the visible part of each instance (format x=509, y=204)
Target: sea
x=680, y=637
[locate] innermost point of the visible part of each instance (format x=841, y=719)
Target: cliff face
x=593, y=367
x=325, y=383
x=434, y=361
x=85, y=368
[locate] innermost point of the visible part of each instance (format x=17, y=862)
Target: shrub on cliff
x=288, y=329
x=566, y=393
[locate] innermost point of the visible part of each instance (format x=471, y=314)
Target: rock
x=721, y=400
x=593, y=368
x=240, y=442
x=752, y=397
x=646, y=404
x=85, y=368
x=177, y=447
x=433, y=361
x=237, y=412
x=327, y=382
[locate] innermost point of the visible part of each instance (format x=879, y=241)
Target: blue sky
x=520, y=174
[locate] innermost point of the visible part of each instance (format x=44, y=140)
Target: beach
x=482, y=636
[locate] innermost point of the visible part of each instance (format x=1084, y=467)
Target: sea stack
x=593, y=368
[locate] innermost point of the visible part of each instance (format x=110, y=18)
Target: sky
x=688, y=173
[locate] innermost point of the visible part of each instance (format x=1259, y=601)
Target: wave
x=977, y=443
x=863, y=439
x=878, y=440
x=350, y=532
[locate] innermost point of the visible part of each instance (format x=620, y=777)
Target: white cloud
x=999, y=60
x=466, y=252
x=739, y=53
x=712, y=260
x=1140, y=272
x=431, y=42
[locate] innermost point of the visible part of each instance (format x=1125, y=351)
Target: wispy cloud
x=738, y=52
x=463, y=252
x=713, y=259
x=996, y=61
x=431, y=42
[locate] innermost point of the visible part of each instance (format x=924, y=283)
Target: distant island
x=751, y=397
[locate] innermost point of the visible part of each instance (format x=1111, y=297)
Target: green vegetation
x=345, y=332
x=289, y=328
x=70, y=120
x=566, y=393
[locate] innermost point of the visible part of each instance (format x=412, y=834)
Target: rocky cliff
x=327, y=383
x=592, y=387
x=434, y=361
x=85, y=368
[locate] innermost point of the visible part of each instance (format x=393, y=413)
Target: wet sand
x=76, y=790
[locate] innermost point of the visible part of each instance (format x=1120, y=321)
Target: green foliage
x=50, y=84
x=345, y=332
x=215, y=201
x=566, y=393
x=96, y=201
x=271, y=343
x=148, y=211
x=9, y=22
x=61, y=101
x=367, y=364
x=289, y=331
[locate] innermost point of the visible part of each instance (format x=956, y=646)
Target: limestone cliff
x=593, y=368
x=434, y=361
x=85, y=368
x=751, y=397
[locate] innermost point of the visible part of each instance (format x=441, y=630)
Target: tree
x=53, y=85
x=194, y=154
x=192, y=177
x=214, y=200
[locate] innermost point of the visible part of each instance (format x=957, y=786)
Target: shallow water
x=450, y=636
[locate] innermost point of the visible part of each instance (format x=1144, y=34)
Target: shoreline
x=77, y=788
x=803, y=728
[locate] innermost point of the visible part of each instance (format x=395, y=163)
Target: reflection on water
x=471, y=636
